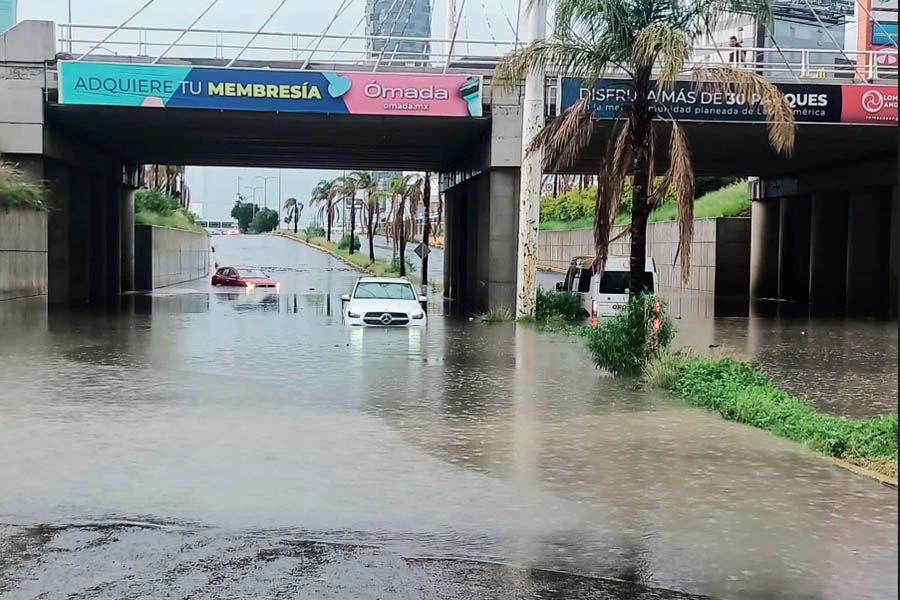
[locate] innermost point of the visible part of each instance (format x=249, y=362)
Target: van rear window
x=578, y=280
x=616, y=282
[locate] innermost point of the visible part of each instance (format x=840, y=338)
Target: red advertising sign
x=869, y=104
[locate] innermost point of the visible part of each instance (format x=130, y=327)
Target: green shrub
x=741, y=392
x=497, y=315
x=623, y=343
x=314, y=230
x=410, y=265
x=569, y=206
x=155, y=201
x=661, y=370
x=344, y=242
x=16, y=190
x=265, y=220
x=561, y=305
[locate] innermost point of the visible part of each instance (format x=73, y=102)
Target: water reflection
x=237, y=428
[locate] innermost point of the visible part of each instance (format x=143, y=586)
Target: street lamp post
x=266, y=189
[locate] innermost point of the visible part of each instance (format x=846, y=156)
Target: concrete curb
x=882, y=479
x=325, y=250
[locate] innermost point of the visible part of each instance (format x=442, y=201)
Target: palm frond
x=576, y=58
x=563, y=138
x=659, y=41
x=610, y=185
x=755, y=90
x=681, y=175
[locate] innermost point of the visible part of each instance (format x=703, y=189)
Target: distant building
x=7, y=14
x=400, y=18
x=795, y=27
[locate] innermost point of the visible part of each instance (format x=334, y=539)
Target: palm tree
x=293, y=209
x=364, y=182
x=650, y=42
x=342, y=189
x=408, y=190
x=322, y=193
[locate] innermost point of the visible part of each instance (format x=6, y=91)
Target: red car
x=245, y=277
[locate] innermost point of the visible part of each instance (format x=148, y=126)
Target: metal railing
x=366, y=51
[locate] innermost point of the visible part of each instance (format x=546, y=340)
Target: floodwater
x=203, y=443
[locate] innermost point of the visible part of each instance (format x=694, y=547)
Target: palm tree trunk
x=426, y=229
x=296, y=218
x=401, y=234
x=352, y=221
x=370, y=217
x=329, y=209
x=641, y=132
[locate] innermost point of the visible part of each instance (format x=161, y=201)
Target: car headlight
x=418, y=316
x=250, y=287
x=352, y=314
x=277, y=287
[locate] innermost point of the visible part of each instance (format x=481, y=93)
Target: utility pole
x=426, y=231
x=530, y=184
x=450, y=29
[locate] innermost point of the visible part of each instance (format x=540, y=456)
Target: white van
x=603, y=296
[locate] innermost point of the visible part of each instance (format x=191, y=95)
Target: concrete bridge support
x=828, y=252
x=868, y=250
x=764, y=248
x=793, y=249
x=91, y=246
x=832, y=246
x=480, y=240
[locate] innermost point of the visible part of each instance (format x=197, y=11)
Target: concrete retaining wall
x=164, y=256
x=23, y=253
x=720, y=254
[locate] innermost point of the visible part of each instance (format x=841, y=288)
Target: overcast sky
x=215, y=188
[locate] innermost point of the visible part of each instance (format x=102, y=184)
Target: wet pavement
x=201, y=443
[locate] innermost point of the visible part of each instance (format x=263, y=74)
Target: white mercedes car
x=384, y=302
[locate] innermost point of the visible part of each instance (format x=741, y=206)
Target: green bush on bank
x=155, y=207
x=314, y=230
x=344, y=243
x=17, y=191
x=741, y=392
x=561, y=305
x=622, y=344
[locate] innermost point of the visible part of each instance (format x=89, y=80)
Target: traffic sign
x=422, y=251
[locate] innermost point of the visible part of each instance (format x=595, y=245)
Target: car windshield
x=616, y=282
x=251, y=274
x=384, y=290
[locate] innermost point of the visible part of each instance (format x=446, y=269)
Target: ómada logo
x=872, y=101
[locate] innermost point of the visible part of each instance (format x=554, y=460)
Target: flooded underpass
x=206, y=443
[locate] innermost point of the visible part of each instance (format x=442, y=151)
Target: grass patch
x=379, y=268
x=17, y=191
x=741, y=392
x=177, y=220
x=661, y=370
x=729, y=201
x=497, y=315
x=584, y=223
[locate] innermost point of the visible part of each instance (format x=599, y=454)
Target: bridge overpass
x=88, y=149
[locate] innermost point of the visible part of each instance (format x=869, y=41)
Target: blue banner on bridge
x=812, y=103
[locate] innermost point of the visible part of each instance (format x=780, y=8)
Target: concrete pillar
x=764, y=249
x=58, y=232
x=97, y=249
x=113, y=201
x=793, y=249
x=828, y=252
x=868, y=250
x=449, y=232
x=79, y=236
x=502, y=243
x=126, y=226
x=893, y=283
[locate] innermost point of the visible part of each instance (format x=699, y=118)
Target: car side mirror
x=423, y=298
x=559, y=286
x=345, y=297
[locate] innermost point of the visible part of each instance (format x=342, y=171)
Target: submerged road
x=205, y=443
